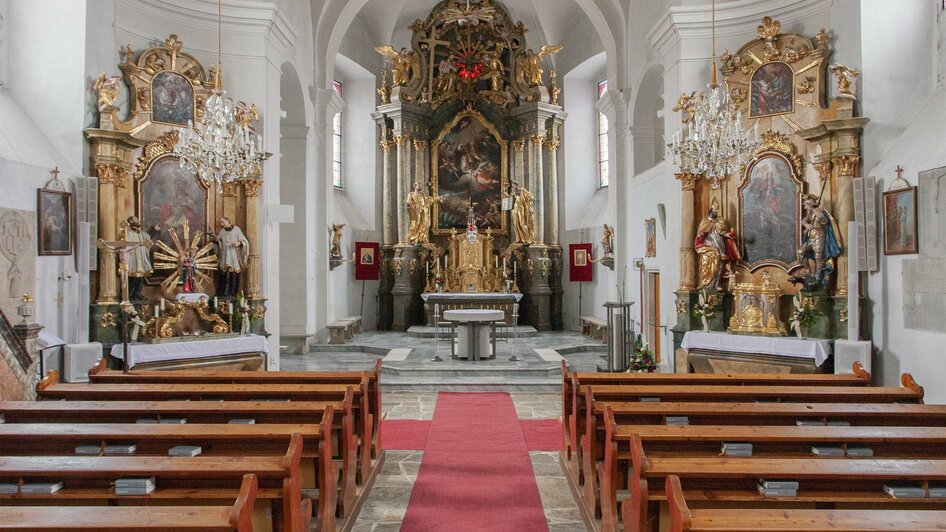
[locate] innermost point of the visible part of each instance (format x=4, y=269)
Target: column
x=403, y=169
x=552, y=205
x=519, y=167
x=108, y=279
x=536, y=178
x=251, y=193
x=844, y=209
x=420, y=163
x=387, y=193
x=687, y=232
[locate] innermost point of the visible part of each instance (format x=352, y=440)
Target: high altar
x=139, y=175
x=469, y=113
x=769, y=242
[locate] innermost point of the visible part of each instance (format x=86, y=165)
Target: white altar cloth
x=817, y=350
x=472, y=296
x=183, y=350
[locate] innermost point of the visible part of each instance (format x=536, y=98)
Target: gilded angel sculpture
x=845, y=77
x=529, y=71
x=108, y=89
x=403, y=63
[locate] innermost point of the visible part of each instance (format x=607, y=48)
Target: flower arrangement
x=803, y=314
x=642, y=359
x=706, y=308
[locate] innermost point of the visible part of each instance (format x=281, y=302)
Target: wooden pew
x=588, y=434
x=235, y=518
x=722, y=481
x=51, y=388
x=99, y=374
x=197, y=480
x=263, y=412
x=573, y=381
x=316, y=468
x=682, y=519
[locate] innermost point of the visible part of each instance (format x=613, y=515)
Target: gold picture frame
x=54, y=227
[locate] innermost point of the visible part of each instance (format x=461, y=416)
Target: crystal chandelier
x=713, y=143
x=222, y=146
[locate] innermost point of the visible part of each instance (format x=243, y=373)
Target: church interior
x=472, y=265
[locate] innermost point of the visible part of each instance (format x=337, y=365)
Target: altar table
x=474, y=335
x=194, y=353
x=502, y=301
x=720, y=352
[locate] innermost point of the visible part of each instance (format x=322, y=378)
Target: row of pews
x=278, y=451
x=753, y=452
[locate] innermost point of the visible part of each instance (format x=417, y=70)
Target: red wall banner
x=367, y=261
x=580, y=267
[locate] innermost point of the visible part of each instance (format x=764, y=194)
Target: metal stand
x=515, y=332
x=620, y=334
x=436, y=334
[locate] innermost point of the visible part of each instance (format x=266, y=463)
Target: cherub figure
x=108, y=90
x=846, y=77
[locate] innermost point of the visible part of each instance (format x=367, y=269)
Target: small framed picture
x=367, y=256
x=581, y=257
x=900, y=222
x=650, y=236
x=54, y=222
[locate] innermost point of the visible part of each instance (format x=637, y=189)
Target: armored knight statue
x=820, y=245
x=233, y=251
x=523, y=214
x=138, y=258
x=715, y=245
x=418, y=208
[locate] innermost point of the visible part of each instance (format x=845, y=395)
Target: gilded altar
x=139, y=175
x=756, y=309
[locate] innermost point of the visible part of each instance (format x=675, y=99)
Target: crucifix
x=122, y=248
x=431, y=41
x=899, y=172
x=55, y=172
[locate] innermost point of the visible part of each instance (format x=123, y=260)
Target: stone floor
x=384, y=509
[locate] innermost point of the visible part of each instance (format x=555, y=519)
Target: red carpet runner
x=476, y=474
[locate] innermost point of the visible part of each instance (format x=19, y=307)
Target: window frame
x=603, y=172
x=338, y=180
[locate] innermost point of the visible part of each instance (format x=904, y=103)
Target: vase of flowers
x=803, y=315
x=641, y=359
x=706, y=308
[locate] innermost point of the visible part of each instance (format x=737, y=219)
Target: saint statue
x=233, y=252
x=189, y=272
x=820, y=245
x=607, y=241
x=336, y=251
x=418, y=208
x=138, y=258
x=523, y=214
x=715, y=245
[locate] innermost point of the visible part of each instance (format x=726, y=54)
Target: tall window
x=337, y=142
x=603, y=167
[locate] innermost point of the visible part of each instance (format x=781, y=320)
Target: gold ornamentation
x=519, y=145
x=401, y=140
x=824, y=169
x=418, y=210
x=412, y=268
x=420, y=145
x=546, y=267
x=687, y=180
x=396, y=262
x=162, y=145
x=807, y=86
x=738, y=95
x=845, y=76
x=111, y=174
x=219, y=326
x=230, y=189
x=847, y=164
x=681, y=306
x=553, y=145
x=404, y=64
x=384, y=91
x=258, y=311
x=823, y=37
x=386, y=145
x=686, y=106
x=538, y=140
x=108, y=320
x=778, y=142
x=756, y=308
x=108, y=90
x=251, y=187
x=769, y=28
x=843, y=315
x=530, y=267
x=554, y=90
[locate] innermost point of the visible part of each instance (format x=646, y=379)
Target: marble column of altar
x=420, y=164
x=557, y=290
x=537, y=180
x=403, y=176
x=518, y=166
x=687, y=296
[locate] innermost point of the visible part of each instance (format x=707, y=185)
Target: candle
x=157, y=312
x=230, y=307
x=497, y=260
x=427, y=268
x=515, y=268
x=162, y=303
x=215, y=302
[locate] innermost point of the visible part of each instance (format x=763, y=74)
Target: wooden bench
x=317, y=470
x=100, y=375
x=722, y=481
x=682, y=519
x=593, y=327
x=235, y=518
x=200, y=480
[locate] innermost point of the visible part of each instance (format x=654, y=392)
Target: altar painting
x=172, y=99
x=169, y=195
x=769, y=207
x=469, y=169
x=772, y=90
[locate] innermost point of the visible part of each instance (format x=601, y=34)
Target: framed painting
x=772, y=90
x=650, y=237
x=470, y=169
x=54, y=222
x=770, y=212
x=900, y=222
x=168, y=195
x=172, y=99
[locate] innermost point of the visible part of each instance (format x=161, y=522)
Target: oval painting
x=769, y=210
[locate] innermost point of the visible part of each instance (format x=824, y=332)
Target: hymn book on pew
x=185, y=450
x=134, y=486
x=41, y=488
x=778, y=488
x=242, y=421
x=736, y=449
x=677, y=421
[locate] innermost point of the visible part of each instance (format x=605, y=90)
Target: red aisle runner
x=476, y=474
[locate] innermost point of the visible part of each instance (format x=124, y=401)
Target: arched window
x=603, y=167
x=337, y=142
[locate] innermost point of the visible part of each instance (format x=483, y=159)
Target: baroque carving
x=847, y=164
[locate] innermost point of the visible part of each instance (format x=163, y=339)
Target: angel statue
x=108, y=89
x=820, y=245
x=403, y=63
x=607, y=241
x=336, y=250
x=845, y=77
x=418, y=208
x=529, y=66
x=686, y=104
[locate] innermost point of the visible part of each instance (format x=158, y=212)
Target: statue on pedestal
x=138, y=258
x=523, y=214
x=233, y=251
x=820, y=246
x=607, y=241
x=335, y=253
x=715, y=245
x=418, y=208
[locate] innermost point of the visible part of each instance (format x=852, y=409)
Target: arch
x=648, y=119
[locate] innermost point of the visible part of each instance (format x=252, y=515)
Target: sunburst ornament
x=188, y=260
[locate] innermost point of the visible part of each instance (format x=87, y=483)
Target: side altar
x=469, y=125
x=164, y=228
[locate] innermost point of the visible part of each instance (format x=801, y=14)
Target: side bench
x=344, y=329
x=593, y=327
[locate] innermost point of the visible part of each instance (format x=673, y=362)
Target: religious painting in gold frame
x=172, y=99
x=771, y=90
x=54, y=222
x=470, y=164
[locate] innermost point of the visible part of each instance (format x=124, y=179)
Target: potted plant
x=706, y=308
x=642, y=359
x=803, y=315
